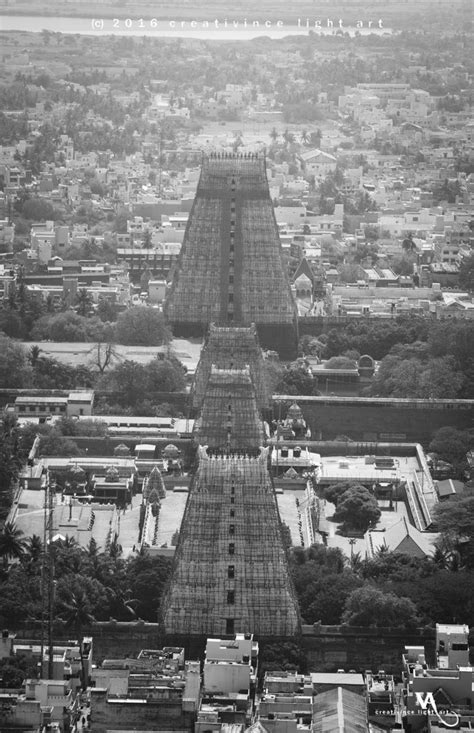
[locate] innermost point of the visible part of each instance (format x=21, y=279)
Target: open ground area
x=186, y=350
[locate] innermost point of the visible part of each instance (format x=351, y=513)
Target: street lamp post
x=352, y=542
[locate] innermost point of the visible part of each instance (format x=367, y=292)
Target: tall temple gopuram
x=230, y=269
x=230, y=572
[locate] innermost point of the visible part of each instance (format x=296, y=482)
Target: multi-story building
x=229, y=680
x=441, y=689
x=158, y=690
x=41, y=407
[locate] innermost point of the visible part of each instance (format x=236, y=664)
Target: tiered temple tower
x=230, y=270
x=232, y=348
x=230, y=570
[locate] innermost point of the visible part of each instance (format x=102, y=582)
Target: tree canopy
x=14, y=368
x=368, y=606
x=92, y=583
x=452, y=445
x=466, y=273
x=142, y=326
x=357, y=508
x=455, y=520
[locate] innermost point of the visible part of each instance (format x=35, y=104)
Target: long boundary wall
x=378, y=419
x=326, y=648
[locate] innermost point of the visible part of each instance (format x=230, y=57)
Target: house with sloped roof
x=340, y=711
x=304, y=268
x=447, y=488
x=400, y=537
x=318, y=163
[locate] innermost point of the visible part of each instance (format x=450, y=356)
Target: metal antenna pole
x=50, y=495
x=160, y=145
x=44, y=571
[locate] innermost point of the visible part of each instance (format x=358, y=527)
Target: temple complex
x=230, y=570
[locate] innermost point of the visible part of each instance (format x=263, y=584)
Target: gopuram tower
x=230, y=571
x=230, y=269
x=230, y=568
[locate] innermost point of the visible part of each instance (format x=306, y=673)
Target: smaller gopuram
x=232, y=348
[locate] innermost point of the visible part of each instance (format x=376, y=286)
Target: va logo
x=427, y=703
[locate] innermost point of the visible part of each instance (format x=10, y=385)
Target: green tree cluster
x=91, y=583
x=10, y=461
x=418, y=357
x=371, y=607
x=142, y=326
x=432, y=378
x=133, y=385
x=455, y=521
x=71, y=326
x=356, y=507
x=466, y=273
x=296, y=379
x=334, y=590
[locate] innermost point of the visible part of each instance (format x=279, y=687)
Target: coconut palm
x=237, y=143
x=147, y=239
x=445, y=556
x=122, y=602
x=12, y=543
x=274, y=134
x=34, y=548
x=33, y=355
x=69, y=556
x=83, y=302
x=288, y=137
x=115, y=548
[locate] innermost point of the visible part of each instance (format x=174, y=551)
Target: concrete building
x=35, y=407
x=443, y=691
x=230, y=670
x=158, y=690
x=318, y=163
x=323, y=701
x=230, y=666
x=46, y=703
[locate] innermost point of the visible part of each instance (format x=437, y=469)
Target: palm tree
x=357, y=563
x=12, y=544
x=115, y=549
x=445, y=556
x=286, y=137
x=238, y=142
x=34, y=548
x=69, y=556
x=84, y=302
x=122, y=600
x=146, y=241
x=315, y=138
x=274, y=134
x=304, y=137
x=33, y=355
